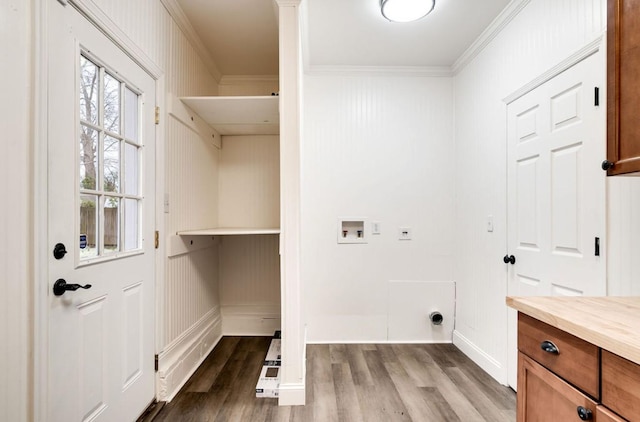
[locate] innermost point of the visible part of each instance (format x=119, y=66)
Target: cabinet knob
x=606, y=165
x=584, y=413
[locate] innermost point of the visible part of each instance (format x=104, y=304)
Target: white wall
x=379, y=147
x=16, y=216
x=542, y=34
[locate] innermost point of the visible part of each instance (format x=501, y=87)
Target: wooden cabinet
x=623, y=87
x=564, y=378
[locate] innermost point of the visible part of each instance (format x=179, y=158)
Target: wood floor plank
x=474, y=394
x=415, y=369
x=204, y=377
x=346, y=396
x=338, y=353
x=244, y=391
x=436, y=400
x=412, y=396
x=350, y=383
x=325, y=406
x=359, y=369
x=387, y=394
x=502, y=396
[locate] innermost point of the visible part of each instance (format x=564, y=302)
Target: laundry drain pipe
x=436, y=318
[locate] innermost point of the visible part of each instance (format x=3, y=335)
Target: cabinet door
x=623, y=86
x=544, y=397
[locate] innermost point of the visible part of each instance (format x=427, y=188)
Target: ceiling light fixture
x=406, y=10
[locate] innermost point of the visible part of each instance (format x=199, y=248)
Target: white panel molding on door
x=556, y=189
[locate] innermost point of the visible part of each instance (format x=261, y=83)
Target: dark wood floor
x=351, y=383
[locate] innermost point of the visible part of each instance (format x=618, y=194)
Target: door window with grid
x=110, y=153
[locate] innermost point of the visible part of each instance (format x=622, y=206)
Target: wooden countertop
x=612, y=323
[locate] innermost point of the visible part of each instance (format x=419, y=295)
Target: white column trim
x=293, y=351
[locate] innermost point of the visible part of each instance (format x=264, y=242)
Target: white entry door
x=101, y=186
x=556, y=190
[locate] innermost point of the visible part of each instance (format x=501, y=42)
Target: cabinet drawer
x=621, y=385
x=543, y=396
x=577, y=361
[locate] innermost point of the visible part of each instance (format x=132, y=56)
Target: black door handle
x=509, y=259
x=61, y=286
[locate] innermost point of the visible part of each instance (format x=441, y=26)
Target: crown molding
x=489, y=34
x=177, y=14
x=410, y=71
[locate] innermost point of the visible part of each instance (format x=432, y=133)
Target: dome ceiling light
x=406, y=10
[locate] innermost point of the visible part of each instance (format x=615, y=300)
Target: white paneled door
x=556, y=190
x=101, y=184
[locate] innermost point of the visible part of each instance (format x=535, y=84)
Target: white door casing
x=556, y=190
x=100, y=340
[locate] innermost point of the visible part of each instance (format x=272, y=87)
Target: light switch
x=490, y=223
x=375, y=227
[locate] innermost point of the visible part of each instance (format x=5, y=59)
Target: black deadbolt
x=59, y=251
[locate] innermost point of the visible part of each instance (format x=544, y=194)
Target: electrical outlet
x=404, y=233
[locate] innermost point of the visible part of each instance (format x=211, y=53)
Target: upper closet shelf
x=224, y=231
x=238, y=115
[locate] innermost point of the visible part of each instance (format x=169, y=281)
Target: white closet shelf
x=238, y=115
x=229, y=231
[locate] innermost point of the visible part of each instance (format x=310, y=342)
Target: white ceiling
x=242, y=35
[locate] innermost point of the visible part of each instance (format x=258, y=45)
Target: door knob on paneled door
x=509, y=259
x=61, y=286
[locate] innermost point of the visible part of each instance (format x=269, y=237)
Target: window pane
x=111, y=164
x=111, y=104
x=88, y=157
x=131, y=227
x=130, y=114
x=111, y=224
x=89, y=76
x=88, y=226
x=131, y=169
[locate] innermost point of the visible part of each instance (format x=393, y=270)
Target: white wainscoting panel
x=543, y=34
x=249, y=192
x=250, y=284
x=624, y=232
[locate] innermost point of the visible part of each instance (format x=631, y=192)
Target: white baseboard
x=250, y=320
x=291, y=395
x=179, y=360
x=381, y=342
x=482, y=359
